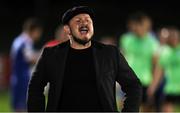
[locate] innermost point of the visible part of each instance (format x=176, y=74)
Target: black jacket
x=110, y=66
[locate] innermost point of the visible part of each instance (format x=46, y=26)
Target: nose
x=84, y=22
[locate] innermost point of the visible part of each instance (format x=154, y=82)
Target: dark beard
x=80, y=41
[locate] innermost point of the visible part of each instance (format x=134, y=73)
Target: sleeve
x=130, y=84
x=36, y=98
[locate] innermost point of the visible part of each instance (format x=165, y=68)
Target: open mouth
x=83, y=30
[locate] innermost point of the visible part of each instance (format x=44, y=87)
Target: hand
x=150, y=92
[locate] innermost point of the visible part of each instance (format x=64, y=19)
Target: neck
x=76, y=45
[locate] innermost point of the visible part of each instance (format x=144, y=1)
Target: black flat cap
x=69, y=14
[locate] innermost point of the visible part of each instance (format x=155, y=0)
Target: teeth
x=83, y=30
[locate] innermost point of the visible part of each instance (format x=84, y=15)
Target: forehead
x=83, y=15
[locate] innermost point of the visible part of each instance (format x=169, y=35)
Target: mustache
x=85, y=26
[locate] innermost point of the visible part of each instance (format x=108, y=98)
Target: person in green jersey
x=139, y=46
x=169, y=63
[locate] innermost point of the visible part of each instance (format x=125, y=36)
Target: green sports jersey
x=139, y=53
x=170, y=62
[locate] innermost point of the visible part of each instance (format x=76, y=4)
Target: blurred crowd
x=153, y=55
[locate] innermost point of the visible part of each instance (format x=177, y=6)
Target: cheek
x=92, y=29
x=74, y=29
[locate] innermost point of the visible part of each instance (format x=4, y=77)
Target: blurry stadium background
x=110, y=20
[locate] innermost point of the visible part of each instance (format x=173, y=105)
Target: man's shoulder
x=128, y=36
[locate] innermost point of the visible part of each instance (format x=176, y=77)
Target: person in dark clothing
x=82, y=72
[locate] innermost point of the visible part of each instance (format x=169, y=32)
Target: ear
x=67, y=29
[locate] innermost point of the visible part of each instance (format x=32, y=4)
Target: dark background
x=110, y=16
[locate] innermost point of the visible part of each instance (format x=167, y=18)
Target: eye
x=88, y=20
x=78, y=21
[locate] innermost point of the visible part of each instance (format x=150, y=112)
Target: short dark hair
x=31, y=24
x=137, y=17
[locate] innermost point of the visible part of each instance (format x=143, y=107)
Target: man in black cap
x=82, y=73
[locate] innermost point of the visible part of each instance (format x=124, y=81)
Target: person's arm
x=161, y=62
x=130, y=84
x=36, y=98
x=158, y=75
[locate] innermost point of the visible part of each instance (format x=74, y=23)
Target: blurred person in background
x=60, y=37
x=139, y=46
x=82, y=73
x=169, y=63
x=163, y=35
x=22, y=56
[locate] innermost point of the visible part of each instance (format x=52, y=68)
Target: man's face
x=174, y=38
x=36, y=34
x=143, y=27
x=81, y=27
x=140, y=30
x=61, y=35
